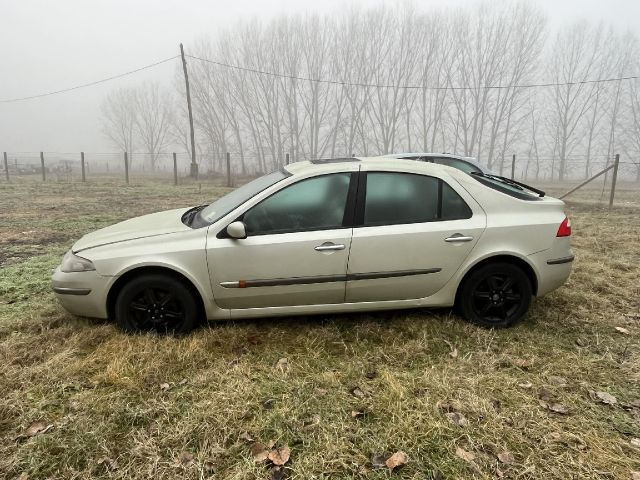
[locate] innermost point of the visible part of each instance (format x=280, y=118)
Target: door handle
x=329, y=246
x=458, y=238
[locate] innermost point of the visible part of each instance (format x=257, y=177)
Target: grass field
x=79, y=399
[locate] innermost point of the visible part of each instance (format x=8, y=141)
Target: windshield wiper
x=509, y=181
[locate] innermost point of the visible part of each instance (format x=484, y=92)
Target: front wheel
x=496, y=295
x=156, y=302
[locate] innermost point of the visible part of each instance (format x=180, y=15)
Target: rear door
x=412, y=233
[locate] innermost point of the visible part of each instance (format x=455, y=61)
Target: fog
x=50, y=46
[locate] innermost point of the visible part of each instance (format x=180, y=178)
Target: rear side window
x=397, y=198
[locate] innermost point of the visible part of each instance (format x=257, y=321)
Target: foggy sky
x=46, y=46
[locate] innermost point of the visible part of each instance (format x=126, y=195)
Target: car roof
x=353, y=163
x=430, y=155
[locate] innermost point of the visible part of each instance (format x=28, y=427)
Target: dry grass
x=101, y=390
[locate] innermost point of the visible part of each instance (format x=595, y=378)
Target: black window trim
x=347, y=218
x=362, y=195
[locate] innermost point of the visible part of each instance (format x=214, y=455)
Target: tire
x=156, y=302
x=496, y=295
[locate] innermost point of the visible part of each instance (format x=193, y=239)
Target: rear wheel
x=496, y=295
x=156, y=302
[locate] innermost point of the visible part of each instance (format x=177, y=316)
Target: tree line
x=398, y=79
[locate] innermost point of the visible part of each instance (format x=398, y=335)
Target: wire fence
x=232, y=168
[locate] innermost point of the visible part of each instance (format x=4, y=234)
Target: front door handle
x=327, y=246
x=458, y=238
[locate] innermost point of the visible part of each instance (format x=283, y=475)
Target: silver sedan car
x=339, y=235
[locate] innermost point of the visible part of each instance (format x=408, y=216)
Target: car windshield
x=218, y=209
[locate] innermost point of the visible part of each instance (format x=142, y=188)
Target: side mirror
x=237, y=230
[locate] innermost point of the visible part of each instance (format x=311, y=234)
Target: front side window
x=397, y=198
x=314, y=204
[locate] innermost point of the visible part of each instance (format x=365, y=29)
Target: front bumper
x=82, y=293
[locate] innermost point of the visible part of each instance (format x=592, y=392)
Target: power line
x=97, y=82
x=409, y=87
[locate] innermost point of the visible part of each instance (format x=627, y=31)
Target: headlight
x=74, y=263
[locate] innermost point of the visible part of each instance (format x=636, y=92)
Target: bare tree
x=119, y=117
x=152, y=120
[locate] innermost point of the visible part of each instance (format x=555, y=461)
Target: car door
x=296, y=249
x=412, y=233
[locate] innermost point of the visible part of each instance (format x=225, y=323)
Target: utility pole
x=194, y=165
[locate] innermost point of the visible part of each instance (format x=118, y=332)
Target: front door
x=415, y=231
x=296, y=250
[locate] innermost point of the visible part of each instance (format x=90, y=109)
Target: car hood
x=161, y=223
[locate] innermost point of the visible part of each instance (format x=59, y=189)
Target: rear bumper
x=561, y=260
x=552, y=272
x=82, y=293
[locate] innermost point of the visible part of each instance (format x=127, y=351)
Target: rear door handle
x=458, y=238
x=327, y=246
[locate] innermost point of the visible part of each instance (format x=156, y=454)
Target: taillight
x=565, y=228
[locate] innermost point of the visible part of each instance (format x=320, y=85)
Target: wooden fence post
x=6, y=167
x=513, y=166
x=175, y=169
x=84, y=178
x=126, y=168
x=613, y=180
x=44, y=177
x=228, y=169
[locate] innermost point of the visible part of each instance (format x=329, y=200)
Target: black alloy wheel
x=496, y=295
x=156, y=302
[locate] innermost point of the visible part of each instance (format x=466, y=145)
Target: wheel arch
x=151, y=269
x=504, y=258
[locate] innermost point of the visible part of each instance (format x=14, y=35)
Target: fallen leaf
x=623, y=330
x=558, y=381
x=635, y=475
x=182, y=382
x=522, y=363
x=108, y=463
x=357, y=392
x=279, y=456
x=357, y=413
x=37, y=428
x=185, y=459
x=396, y=460
x=269, y=403
x=457, y=418
x=259, y=452
x=581, y=342
x=283, y=364
x=246, y=437
x=555, y=407
x=603, y=397
x=526, y=385
x=380, y=460
x=506, y=457
x=464, y=455
x=635, y=442
x=23, y=476
x=165, y=386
